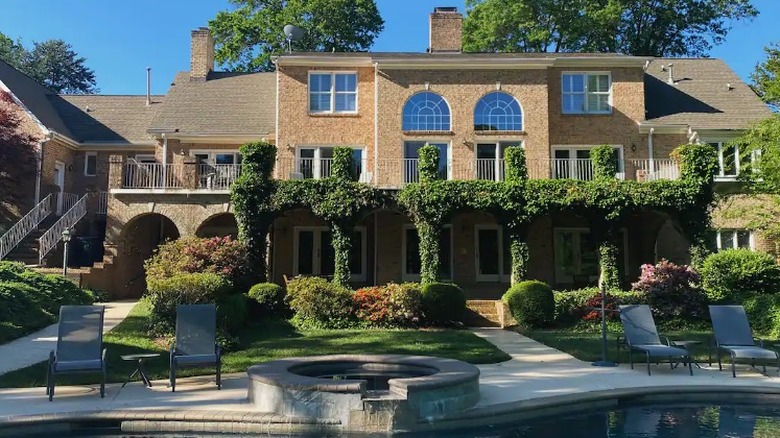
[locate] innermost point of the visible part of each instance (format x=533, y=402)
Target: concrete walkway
x=35, y=347
x=534, y=374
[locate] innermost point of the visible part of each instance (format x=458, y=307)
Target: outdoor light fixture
x=66, y=236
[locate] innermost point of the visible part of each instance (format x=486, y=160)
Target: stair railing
x=27, y=224
x=53, y=235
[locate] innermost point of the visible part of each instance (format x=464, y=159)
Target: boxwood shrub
x=266, y=299
x=532, y=303
x=320, y=304
x=443, y=303
x=729, y=274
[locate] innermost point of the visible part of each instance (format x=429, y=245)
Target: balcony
x=312, y=168
x=185, y=175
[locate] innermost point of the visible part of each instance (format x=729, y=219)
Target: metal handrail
x=52, y=236
x=24, y=226
x=102, y=202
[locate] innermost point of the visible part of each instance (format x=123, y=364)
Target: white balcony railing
x=68, y=201
x=490, y=169
x=218, y=176
x=653, y=169
x=411, y=170
x=102, y=202
x=25, y=225
x=152, y=176
x=572, y=168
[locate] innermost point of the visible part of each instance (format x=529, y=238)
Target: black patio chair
x=79, y=345
x=641, y=335
x=196, y=340
x=733, y=335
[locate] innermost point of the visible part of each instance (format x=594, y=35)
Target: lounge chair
x=733, y=335
x=79, y=345
x=196, y=340
x=641, y=335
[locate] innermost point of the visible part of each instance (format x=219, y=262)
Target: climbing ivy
x=604, y=164
x=343, y=167
x=515, y=169
x=428, y=163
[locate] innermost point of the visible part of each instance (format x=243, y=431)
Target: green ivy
x=343, y=167
x=610, y=278
x=428, y=163
x=514, y=163
x=604, y=165
x=519, y=250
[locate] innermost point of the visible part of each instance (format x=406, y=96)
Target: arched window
x=426, y=111
x=498, y=111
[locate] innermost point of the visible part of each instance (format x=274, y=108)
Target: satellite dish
x=293, y=33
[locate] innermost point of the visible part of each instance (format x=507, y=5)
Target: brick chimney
x=446, y=28
x=201, y=54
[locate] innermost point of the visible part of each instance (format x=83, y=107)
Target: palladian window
x=426, y=111
x=498, y=111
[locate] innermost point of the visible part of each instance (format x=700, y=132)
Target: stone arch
x=218, y=225
x=141, y=236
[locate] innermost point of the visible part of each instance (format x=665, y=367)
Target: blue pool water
x=635, y=422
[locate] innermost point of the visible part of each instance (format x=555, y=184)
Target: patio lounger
x=79, y=345
x=733, y=335
x=196, y=340
x=642, y=336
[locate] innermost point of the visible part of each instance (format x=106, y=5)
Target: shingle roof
x=105, y=118
x=34, y=96
x=225, y=104
x=700, y=96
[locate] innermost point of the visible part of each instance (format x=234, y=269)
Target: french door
x=493, y=258
x=314, y=253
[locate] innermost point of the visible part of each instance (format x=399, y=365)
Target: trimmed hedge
x=729, y=274
x=443, y=303
x=320, y=304
x=572, y=306
x=531, y=303
x=763, y=312
x=267, y=298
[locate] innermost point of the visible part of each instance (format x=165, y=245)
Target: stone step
x=487, y=313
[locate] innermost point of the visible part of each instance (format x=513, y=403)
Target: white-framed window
x=426, y=111
x=729, y=161
x=410, y=253
x=333, y=92
x=90, y=164
x=313, y=252
x=412, y=160
x=573, y=162
x=490, y=159
x=491, y=253
x=586, y=92
x=734, y=238
x=145, y=158
x=317, y=162
x=217, y=169
x=576, y=256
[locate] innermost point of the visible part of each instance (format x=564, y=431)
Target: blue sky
x=120, y=38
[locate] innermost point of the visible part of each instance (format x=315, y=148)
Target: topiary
x=267, y=298
x=532, y=303
x=443, y=303
x=729, y=274
x=320, y=304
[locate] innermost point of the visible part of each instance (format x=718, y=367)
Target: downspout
x=276, y=141
x=165, y=157
x=650, y=153
x=376, y=167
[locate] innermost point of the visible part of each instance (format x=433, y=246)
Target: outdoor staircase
x=487, y=313
x=27, y=250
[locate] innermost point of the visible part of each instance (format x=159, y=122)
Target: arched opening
x=141, y=235
x=671, y=244
x=498, y=111
x=220, y=225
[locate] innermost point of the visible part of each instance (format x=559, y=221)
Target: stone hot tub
x=365, y=392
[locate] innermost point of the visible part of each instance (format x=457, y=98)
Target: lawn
x=268, y=340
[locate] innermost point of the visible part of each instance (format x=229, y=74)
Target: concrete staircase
x=488, y=313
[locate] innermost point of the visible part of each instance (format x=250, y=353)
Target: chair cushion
x=661, y=350
x=78, y=365
x=749, y=352
x=195, y=359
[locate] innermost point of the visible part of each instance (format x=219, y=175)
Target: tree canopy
x=766, y=78
x=635, y=27
x=247, y=37
x=52, y=63
x=17, y=156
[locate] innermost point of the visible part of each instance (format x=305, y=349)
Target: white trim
x=86, y=163
x=333, y=91
x=317, y=246
x=621, y=157
x=585, y=92
x=416, y=277
x=145, y=158
x=501, y=277
x=498, y=151
x=719, y=146
x=519, y=104
x=734, y=237
x=434, y=142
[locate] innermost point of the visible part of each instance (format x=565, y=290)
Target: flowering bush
x=392, y=305
x=319, y=304
x=673, y=291
x=218, y=255
x=591, y=311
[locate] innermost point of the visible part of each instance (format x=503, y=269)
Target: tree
x=52, y=63
x=247, y=37
x=766, y=78
x=635, y=27
x=17, y=155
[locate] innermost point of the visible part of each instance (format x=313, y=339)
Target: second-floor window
x=412, y=160
x=90, y=164
x=426, y=111
x=586, y=93
x=574, y=162
x=332, y=92
x=498, y=111
x=317, y=162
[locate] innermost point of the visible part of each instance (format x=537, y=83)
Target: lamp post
x=65, y=238
x=604, y=362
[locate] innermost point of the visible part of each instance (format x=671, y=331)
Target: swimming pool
x=682, y=421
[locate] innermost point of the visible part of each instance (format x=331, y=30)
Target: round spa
x=365, y=392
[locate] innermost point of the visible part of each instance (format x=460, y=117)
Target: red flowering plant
x=673, y=291
x=591, y=311
x=392, y=305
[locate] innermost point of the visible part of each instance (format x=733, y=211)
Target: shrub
x=591, y=311
x=232, y=312
x=392, y=305
x=188, y=288
x=731, y=273
x=763, y=312
x=673, y=291
x=217, y=255
x=531, y=302
x=19, y=312
x=442, y=303
x=267, y=298
x=319, y=304
x=574, y=305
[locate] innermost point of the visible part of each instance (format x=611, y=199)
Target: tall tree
x=250, y=35
x=766, y=78
x=17, y=156
x=53, y=63
x=635, y=27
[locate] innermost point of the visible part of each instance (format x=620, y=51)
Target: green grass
x=268, y=341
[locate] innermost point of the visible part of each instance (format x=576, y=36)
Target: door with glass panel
x=490, y=160
x=411, y=254
x=314, y=162
x=314, y=253
x=493, y=258
x=412, y=156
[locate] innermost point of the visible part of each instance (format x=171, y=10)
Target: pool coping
x=197, y=421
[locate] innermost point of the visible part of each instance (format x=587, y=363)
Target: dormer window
x=586, y=93
x=333, y=92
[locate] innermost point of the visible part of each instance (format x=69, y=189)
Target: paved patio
x=535, y=373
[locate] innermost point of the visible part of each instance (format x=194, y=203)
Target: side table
x=688, y=346
x=140, y=369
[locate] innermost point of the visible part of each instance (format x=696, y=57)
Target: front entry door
x=59, y=182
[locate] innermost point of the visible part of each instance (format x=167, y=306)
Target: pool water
x=635, y=422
